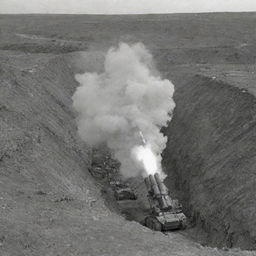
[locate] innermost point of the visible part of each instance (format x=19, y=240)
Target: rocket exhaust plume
x=125, y=107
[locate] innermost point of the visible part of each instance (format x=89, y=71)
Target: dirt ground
x=49, y=202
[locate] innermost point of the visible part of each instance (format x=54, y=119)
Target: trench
x=211, y=143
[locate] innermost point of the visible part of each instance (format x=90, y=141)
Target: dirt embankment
x=44, y=185
x=210, y=159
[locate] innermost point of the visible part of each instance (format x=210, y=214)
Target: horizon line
x=119, y=14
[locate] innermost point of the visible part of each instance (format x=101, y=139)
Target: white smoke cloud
x=128, y=97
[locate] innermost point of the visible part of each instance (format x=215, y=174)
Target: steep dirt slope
x=210, y=159
x=42, y=161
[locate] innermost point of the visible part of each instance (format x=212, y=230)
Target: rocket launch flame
x=146, y=156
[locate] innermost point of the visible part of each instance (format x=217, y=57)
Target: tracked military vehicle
x=166, y=213
x=122, y=191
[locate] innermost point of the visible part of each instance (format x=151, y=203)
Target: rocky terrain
x=50, y=204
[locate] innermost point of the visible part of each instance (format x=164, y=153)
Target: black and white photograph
x=127, y=128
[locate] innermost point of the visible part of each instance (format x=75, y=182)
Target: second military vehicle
x=122, y=191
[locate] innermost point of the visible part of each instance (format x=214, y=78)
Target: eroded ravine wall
x=210, y=159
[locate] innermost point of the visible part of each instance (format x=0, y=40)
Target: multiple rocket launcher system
x=157, y=190
x=166, y=213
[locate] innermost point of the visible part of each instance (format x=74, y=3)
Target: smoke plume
x=125, y=107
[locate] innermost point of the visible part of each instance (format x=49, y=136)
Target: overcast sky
x=124, y=6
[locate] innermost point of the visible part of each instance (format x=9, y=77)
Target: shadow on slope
x=210, y=160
